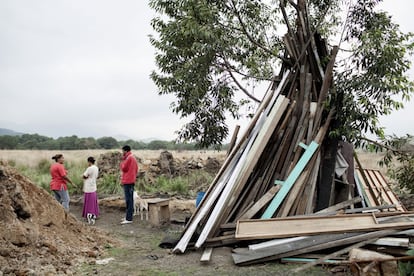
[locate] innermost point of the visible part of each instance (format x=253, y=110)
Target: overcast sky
x=71, y=67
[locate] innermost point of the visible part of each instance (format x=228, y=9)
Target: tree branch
x=242, y=88
x=251, y=39
x=394, y=151
x=227, y=66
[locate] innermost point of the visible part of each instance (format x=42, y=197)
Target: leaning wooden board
x=294, y=226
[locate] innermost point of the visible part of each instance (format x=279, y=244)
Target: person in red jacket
x=129, y=171
x=58, y=184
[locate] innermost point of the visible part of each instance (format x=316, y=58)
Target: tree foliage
x=205, y=49
x=209, y=51
x=39, y=142
x=399, y=159
x=373, y=78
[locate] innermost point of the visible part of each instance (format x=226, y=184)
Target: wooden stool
x=158, y=211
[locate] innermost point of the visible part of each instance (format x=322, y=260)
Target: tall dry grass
x=31, y=158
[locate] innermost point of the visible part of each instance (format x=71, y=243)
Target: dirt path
x=140, y=253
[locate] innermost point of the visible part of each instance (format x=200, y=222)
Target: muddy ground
x=140, y=253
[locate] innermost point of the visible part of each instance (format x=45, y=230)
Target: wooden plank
x=293, y=176
x=307, y=260
x=276, y=242
x=340, y=205
x=320, y=244
x=293, y=194
x=261, y=203
x=361, y=190
x=244, y=167
x=326, y=84
x=391, y=196
x=206, y=256
x=343, y=251
x=311, y=189
x=299, y=244
x=370, y=198
x=380, y=194
x=291, y=226
x=391, y=241
x=233, y=139
x=218, y=182
x=205, y=205
x=313, y=106
x=305, y=195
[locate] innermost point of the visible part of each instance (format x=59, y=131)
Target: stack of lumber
x=271, y=184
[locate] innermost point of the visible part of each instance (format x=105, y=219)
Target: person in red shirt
x=59, y=179
x=129, y=171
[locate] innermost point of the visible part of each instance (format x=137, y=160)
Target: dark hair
x=126, y=148
x=57, y=156
x=91, y=159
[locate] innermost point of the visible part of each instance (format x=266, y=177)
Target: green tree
x=88, y=143
x=134, y=144
x=209, y=51
x=32, y=141
x=8, y=142
x=68, y=142
x=108, y=142
x=158, y=144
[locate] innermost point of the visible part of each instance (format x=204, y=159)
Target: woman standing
x=59, y=179
x=90, y=200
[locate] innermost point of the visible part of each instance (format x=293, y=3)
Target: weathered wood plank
x=282, y=247
x=261, y=203
x=345, y=250
x=244, y=168
x=340, y=205
x=293, y=176
x=291, y=226
x=206, y=256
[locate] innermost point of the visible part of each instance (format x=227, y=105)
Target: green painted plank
x=287, y=185
x=308, y=260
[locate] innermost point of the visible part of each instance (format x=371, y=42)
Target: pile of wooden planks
x=286, y=180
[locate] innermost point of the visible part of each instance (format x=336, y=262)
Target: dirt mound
x=36, y=235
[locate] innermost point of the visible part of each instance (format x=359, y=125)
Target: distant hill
x=5, y=131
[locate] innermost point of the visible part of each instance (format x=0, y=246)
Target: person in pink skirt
x=90, y=200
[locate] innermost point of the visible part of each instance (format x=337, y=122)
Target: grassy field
x=31, y=158
x=35, y=165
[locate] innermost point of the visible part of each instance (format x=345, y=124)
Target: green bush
x=43, y=166
x=109, y=184
x=407, y=267
x=404, y=173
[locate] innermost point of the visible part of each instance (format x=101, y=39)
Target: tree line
x=39, y=142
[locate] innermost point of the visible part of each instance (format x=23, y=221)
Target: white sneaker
x=126, y=221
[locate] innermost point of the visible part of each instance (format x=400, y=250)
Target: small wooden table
x=159, y=211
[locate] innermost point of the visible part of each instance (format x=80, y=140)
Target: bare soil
x=37, y=237
x=140, y=253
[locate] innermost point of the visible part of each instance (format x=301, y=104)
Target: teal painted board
x=293, y=176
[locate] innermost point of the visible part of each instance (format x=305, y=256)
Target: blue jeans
x=129, y=200
x=62, y=197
